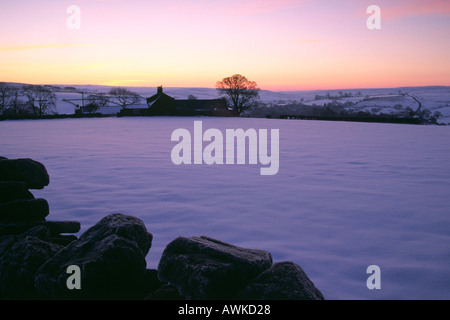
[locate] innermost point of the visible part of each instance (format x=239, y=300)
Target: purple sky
x=282, y=45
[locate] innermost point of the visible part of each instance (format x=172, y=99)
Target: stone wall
x=35, y=256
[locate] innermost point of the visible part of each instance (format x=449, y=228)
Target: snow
x=379, y=100
x=347, y=195
x=387, y=101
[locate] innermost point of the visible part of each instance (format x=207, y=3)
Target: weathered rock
x=31, y=172
x=63, y=240
x=41, y=232
x=111, y=256
x=165, y=292
x=283, y=281
x=147, y=285
x=5, y=242
x=24, y=210
x=54, y=227
x=205, y=268
x=20, y=258
x=14, y=190
x=57, y=227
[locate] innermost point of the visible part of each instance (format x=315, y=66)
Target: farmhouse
x=161, y=104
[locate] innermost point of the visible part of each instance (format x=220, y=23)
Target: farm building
x=161, y=104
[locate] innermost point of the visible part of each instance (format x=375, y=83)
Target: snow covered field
x=347, y=195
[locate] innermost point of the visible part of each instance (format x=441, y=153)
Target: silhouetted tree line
x=340, y=95
x=120, y=96
x=26, y=100
x=338, y=111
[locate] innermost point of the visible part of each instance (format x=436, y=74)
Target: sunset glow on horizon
x=282, y=45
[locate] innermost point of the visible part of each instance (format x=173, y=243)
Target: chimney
x=160, y=90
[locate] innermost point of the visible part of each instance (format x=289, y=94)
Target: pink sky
x=282, y=45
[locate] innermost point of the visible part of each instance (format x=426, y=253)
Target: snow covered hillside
x=393, y=101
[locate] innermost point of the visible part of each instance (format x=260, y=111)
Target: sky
x=280, y=44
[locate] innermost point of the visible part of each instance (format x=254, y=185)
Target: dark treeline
x=39, y=102
x=54, y=116
x=339, y=111
x=26, y=100
x=36, y=101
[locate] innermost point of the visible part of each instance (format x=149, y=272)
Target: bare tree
x=15, y=103
x=125, y=97
x=10, y=102
x=240, y=92
x=5, y=96
x=41, y=100
x=96, y=101
x=100, y=99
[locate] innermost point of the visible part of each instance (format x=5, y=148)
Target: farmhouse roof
x=157, y=96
